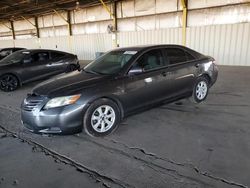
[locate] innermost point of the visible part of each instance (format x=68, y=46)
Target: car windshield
x=110, y=63
x=15, y=57
x=4, y=53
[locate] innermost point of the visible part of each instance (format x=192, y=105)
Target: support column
x=69, y=23
x=184, y=21
x=37, y=28
x=12, y=30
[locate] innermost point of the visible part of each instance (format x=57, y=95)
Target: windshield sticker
x=26, y=52
x=130, y=52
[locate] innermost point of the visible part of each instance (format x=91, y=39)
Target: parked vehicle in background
x=115, y=85
x=4, y=52
x=29, y=65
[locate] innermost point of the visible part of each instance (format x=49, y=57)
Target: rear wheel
x=8, y=82
x=101, y=118
x=71, y=68
x=200, y=90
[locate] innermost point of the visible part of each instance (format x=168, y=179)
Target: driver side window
x=150, y=60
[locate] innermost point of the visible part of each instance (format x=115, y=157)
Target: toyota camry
x=118, y=83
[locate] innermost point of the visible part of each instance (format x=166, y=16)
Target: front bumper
x=60, y=120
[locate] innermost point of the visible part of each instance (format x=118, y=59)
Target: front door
x=150, y=85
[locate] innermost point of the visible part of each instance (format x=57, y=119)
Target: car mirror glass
x=135, y=70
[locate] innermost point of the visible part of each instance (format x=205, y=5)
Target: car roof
x=42, y=50
x=10, y=48
x=143, y=47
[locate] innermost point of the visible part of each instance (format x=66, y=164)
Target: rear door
x=149, y=86
x=58, y=62
x=181, y=71
x=35, y=66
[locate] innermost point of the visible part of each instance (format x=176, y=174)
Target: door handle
x=164, y=74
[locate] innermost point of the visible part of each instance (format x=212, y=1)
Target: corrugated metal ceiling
x=14, y=9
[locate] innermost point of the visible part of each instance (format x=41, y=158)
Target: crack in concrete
x=98, y=177
x=146, y=153
x=149, y=163
x=180, y=181
x=225, y=93
x=207, y=110
x=196, y=169
x=229, y=182
x=191, y=166
x=229, y=105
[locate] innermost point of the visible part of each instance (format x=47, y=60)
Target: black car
x=4, y=52
x=29, y=65
x=115, y=85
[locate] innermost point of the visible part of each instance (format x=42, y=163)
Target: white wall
x=228, y=44
x=222, y=32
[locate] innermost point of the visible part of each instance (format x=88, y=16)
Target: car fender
x=112, y=97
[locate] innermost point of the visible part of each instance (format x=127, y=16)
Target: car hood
x=68, y=84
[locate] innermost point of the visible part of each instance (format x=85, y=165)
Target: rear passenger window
x=55, y=55
x=175, y=55
x=40, y=56
x=150, y=60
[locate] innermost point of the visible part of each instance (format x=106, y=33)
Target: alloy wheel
x=8, y=83
x=201, y=90
x=103, y=118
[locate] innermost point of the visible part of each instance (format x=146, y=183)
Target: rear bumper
x=214, y=74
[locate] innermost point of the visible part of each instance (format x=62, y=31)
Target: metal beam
x=114, y=18
x=184, y=21
x=60, y=15
x=28, y=21
x=6, y=25
x=67, y=20
x=107, y=9
x=13, y=30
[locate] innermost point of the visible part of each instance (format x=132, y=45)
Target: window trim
x=180, y=63
x=152, y=70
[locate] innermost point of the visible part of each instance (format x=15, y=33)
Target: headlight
x=61, y=101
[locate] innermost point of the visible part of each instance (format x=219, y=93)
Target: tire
x=200, y=90
x=71, y=68
x=101, y=118
x=8, y=82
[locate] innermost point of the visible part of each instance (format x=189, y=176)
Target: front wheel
x=8, y=83
x=101, y=118
x=200, y=90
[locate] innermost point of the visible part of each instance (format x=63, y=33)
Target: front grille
x=31, y=102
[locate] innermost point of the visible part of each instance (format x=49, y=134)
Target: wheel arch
x=13, y=74
x=113, y=99
x=208, y=77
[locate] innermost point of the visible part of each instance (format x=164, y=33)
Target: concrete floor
x=174, y=145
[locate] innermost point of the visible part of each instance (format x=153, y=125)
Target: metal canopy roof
x=15, y=9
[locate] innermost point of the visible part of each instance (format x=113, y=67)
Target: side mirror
x=135, y=70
